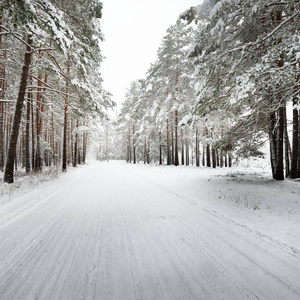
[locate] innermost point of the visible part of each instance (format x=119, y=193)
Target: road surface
x=102, y=232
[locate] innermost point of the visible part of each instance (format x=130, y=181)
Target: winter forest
x=187, y=188
x=225, y=79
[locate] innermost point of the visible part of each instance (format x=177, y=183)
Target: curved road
x=101, y=232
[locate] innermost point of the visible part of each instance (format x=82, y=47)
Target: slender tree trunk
x=9, y=167
x=38, y=159
x=187, y=151
x=176, y=162
x=230, y=159
x=221, y=158
x=296, y=141
x=286, y=145
x=214, y=162
x=2, y=105
x=145, y=151
x=27, y=143
x=182, y=148
x=75, y=146
x=298, y=167
x=168, y=144
x=160, y=148
x=129, y=143
x=133, y=144
x=197, y=149
x=272, y=142
x=1, y=136
x=64, y=156
x=172, y=145
x=148, y=153
x=208, y=164
x=279, y=146
x=85, y=142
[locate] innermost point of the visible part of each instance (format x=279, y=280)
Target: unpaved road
x=105, y=233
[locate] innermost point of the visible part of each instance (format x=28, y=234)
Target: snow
x=120, y=231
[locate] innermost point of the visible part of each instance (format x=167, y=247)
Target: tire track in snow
x=263, y=270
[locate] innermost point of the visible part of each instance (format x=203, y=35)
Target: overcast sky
x=133, y=30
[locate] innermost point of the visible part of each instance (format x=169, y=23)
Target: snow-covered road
x=106, y=231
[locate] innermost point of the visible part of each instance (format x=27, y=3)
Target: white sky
x=133, y=30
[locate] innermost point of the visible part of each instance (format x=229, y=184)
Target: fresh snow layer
x=120, y=231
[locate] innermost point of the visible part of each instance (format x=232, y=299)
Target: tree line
x=226, y=76
x=50, y=83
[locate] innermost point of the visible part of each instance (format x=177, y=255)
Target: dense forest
x=226, y=77
x=225, y=81
x=51, y=87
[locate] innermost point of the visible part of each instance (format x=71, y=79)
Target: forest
x=226, y=81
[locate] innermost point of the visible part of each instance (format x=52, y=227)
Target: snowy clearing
x=120, y=231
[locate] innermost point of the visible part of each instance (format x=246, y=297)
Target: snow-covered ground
x=120, y=231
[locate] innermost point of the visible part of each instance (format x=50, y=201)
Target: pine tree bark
x=27, y=142
x=10, y=160
x=75, y=146
x=38, y=159
x=64, y=156
x=197, y=149
x=145, y=151
x=208, y=163
x=295, y=151
x=148, y=153
x=1, y=136
x=2, y=105
x=176, y=160
x=172, y=144
x=182, y=148
x=214, y=162
x=85, y=142
x=160, y=148
x=133, y=144
x=187, y=151
x=168, y=144
x=298, y=167
x=286, y=145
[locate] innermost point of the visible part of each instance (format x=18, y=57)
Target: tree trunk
x=64, y=156
x=187, y=151
x=221, y=159
x=75, y=146
x=272, y=142
x=279, y=173
x=298, y=167
x=286, y=145
x=182, y=148
x=168, y=144
x=197, y=149
x=1, y=136
x=38, y=158
x=176, y=161
x=133, y=144
x=214, y=162
x=145, y=151
x=208, y=164
x=27, y=142
x=148, y=153
x=295, y=151
x=172, y=145
x=160, y=148
x=85, y=142
x=9, y=166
